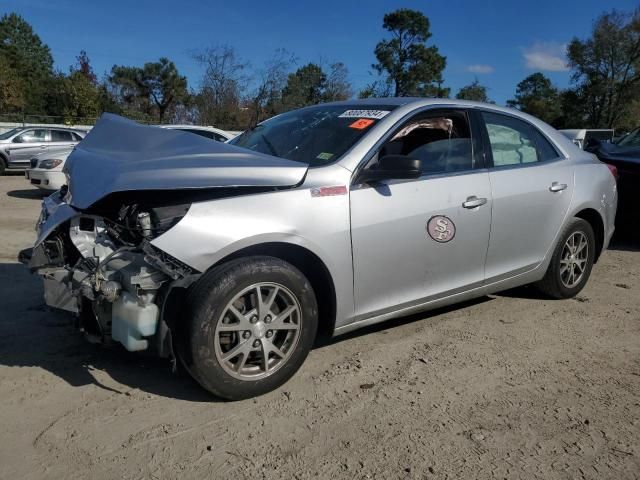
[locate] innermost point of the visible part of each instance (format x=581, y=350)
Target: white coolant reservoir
x=130, y=321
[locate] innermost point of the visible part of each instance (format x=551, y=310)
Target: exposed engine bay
x=101, y=266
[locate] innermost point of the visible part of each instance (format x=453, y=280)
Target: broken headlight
x=137, y=221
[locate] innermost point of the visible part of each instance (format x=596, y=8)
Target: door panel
x=531, y=189
x=527, y=214
x=60, y=139
x=396, y=261
x=33, y=143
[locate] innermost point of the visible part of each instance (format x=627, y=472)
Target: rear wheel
x=572, y=260
x=251, y=325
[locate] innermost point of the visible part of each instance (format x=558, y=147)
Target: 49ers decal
x=441, y=228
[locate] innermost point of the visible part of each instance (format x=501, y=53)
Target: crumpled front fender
x=54, y=212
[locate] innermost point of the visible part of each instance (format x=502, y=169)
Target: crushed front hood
x=121, y=155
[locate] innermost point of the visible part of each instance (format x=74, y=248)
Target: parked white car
x=207, y=132
x=46, y=169
x=581, y=136
x=46, y=173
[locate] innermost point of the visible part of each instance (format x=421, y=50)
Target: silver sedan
x=232, y=257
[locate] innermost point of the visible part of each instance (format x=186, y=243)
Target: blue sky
x=500, y=42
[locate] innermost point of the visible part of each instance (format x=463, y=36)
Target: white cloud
x=546, y=56
x=480, y=68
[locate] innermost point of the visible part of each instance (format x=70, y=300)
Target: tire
x=557, y=282
x=223, y=318
x=3, y=166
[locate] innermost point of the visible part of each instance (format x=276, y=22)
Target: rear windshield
x=314, y=135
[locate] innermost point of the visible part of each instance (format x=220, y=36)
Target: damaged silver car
x=232, y=257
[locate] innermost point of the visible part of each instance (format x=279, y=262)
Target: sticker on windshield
x=375, y=114
x=361, y=123
x=324, y=156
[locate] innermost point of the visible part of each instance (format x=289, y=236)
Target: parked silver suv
x=332, y=217
x=20, y=145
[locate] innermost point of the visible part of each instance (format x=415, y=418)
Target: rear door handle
x=473, y=202
x=557, y=187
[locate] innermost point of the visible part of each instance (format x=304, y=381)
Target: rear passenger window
x=441, y=141
x=61, y=136
x=514, y=142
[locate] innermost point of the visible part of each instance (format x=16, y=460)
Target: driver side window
x=442, y=141
x=31, y=136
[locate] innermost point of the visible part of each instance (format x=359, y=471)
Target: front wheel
x=572, y=261
x=251, y=324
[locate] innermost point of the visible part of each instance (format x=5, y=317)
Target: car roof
x=52, y=127
x=417, y=102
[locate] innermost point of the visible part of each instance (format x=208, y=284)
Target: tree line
x=233, y=94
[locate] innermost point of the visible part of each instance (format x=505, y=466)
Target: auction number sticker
x=375, y=114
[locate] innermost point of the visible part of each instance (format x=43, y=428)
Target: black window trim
x=476, y=144
x=488, y=153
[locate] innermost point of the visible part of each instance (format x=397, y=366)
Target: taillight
x=613, y=169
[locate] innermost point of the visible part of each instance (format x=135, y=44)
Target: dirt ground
x=508, y=386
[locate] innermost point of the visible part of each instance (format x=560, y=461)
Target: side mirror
x=392, y=167
x=17, y=139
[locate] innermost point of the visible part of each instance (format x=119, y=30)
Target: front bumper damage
x=117, y=290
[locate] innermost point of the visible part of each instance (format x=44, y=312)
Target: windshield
x=631, y=139
x=315, y=135
x=10, y=133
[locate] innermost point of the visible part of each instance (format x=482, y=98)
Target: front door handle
x=473, y=202
x=557, y=187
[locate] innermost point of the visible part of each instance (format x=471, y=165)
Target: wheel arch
x=594, y=219
x=300, y=257
x=310, y=265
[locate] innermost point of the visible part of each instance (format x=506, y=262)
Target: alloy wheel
x=258, y=331
x=573, y=261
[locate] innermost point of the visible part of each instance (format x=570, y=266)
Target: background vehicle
x=624, y=156
x=207, y=132
x=331, y=217
x=20, y=145
x=45, y=170
x=581, y=137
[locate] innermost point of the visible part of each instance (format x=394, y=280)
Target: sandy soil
x=509, y=386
